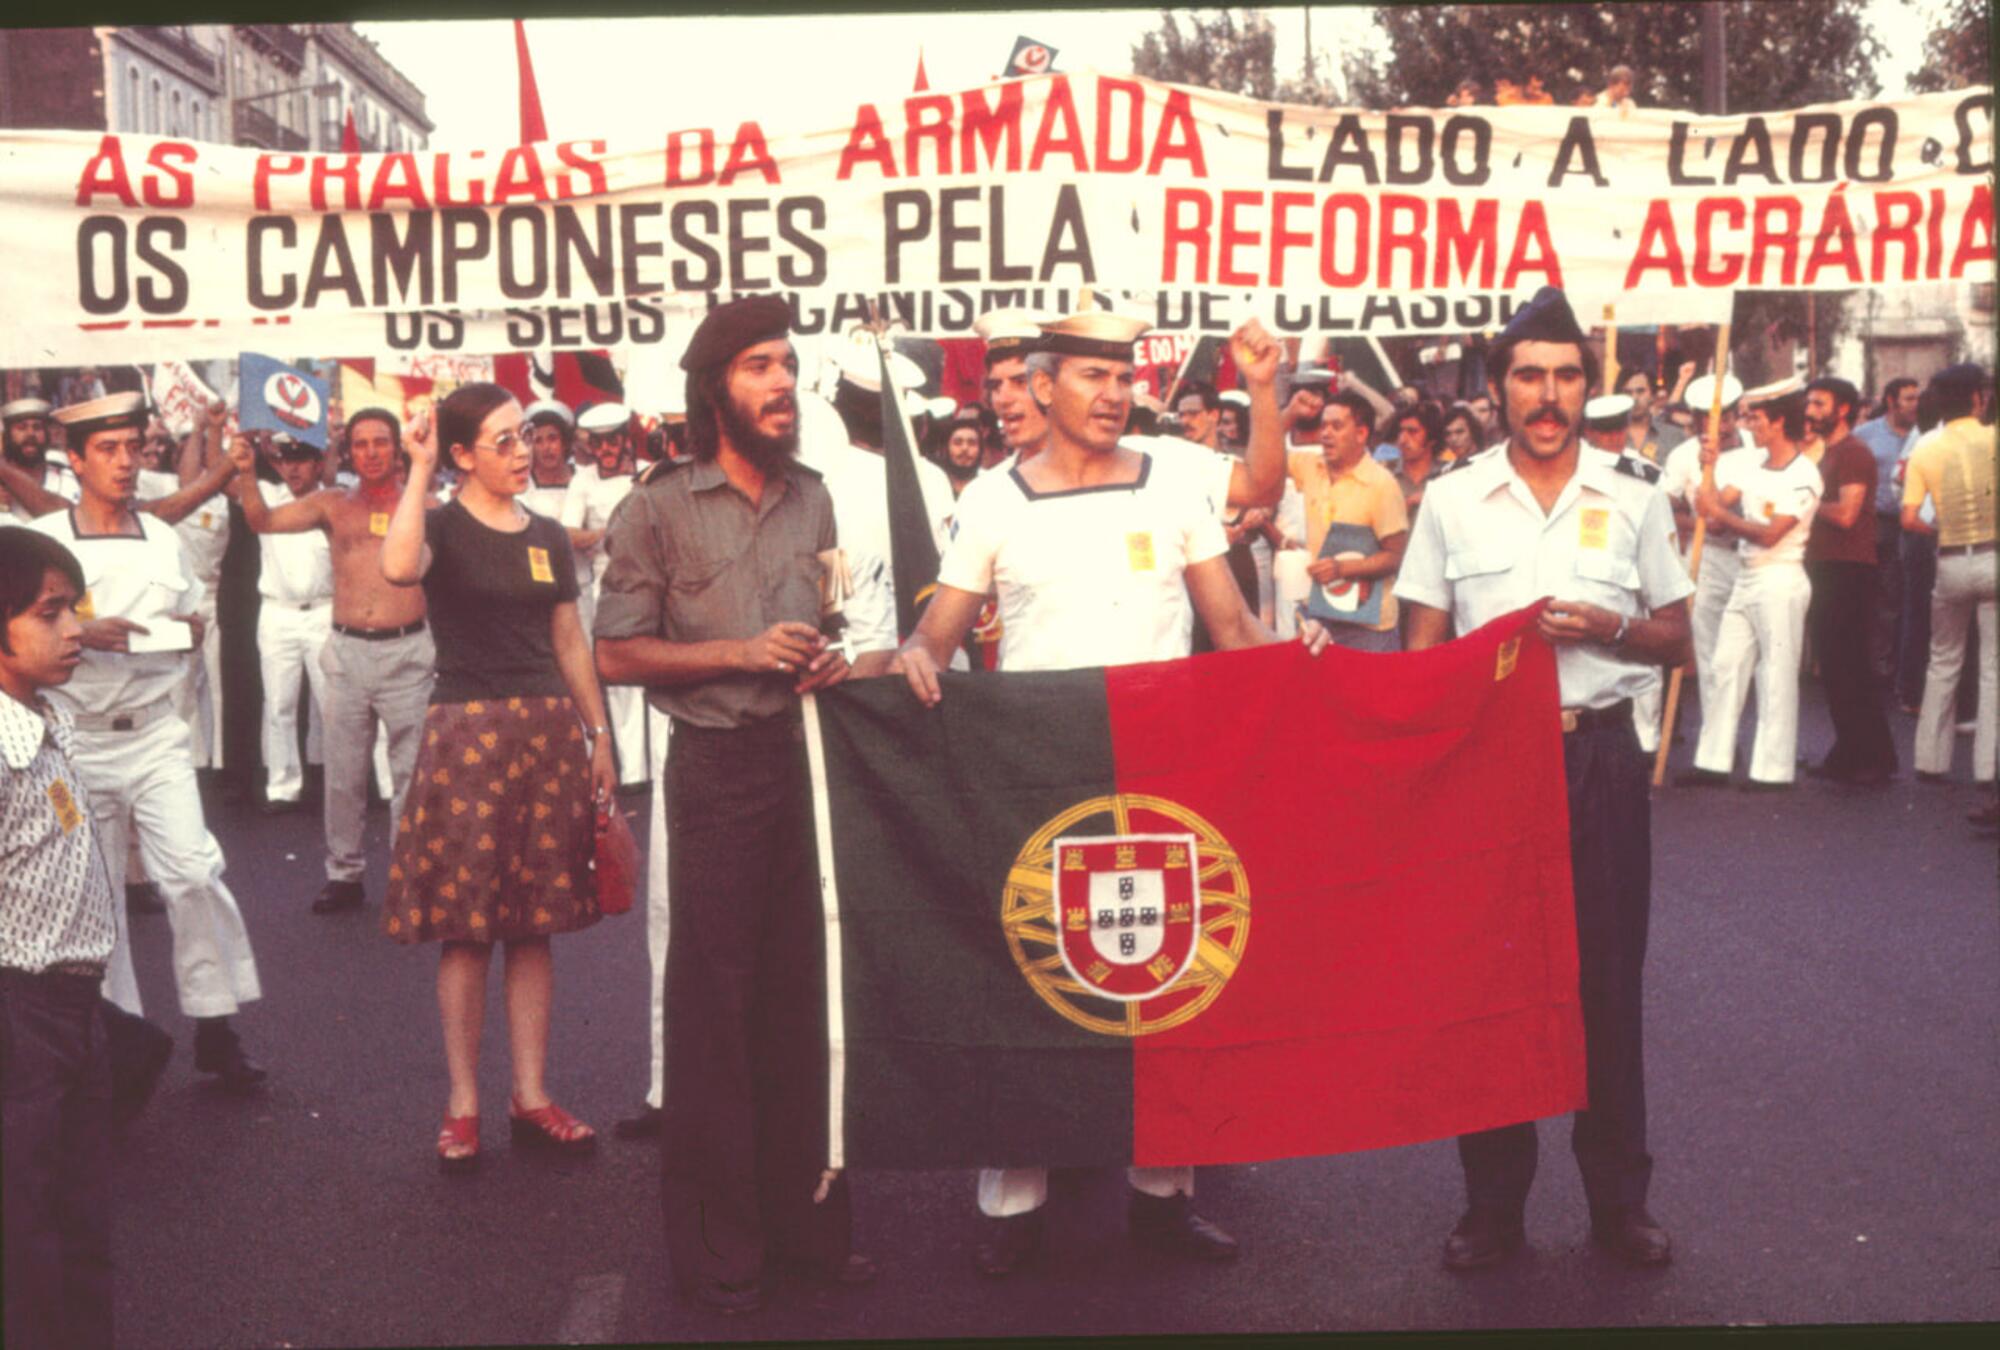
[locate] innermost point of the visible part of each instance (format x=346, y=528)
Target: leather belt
x=80, y=970
x=1597, y=719
x=130, y=720
x=1965, y=550
x=378, y=634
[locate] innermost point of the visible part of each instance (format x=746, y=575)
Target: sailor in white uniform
x=605, y=428
x=1767, y=511
x=133, y=751
x=294, y=621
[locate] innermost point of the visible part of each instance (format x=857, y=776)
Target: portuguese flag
x=1243, y=906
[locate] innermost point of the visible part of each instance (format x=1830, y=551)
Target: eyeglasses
x=505, y=443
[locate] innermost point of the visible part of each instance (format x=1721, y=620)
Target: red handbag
x=616, y=862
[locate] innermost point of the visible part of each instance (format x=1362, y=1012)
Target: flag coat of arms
x=1245, y=906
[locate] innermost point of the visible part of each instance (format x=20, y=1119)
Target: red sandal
x=458, y=1144
x=550, y=1127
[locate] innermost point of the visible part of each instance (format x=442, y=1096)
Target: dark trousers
x=1843, y=597
x=1611, y=865
x=1913, y=643
x=745, y=1135
x=1888, y=595
x=55, y=1157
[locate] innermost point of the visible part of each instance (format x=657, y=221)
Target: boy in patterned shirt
x=56, y=935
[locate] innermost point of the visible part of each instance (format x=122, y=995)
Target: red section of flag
x=533, y=128
x=350, y=138
x=510, y=372
x=964, y=375
x=923, y=80
x=1406, y=975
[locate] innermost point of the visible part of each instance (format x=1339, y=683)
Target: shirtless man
x=379, y=660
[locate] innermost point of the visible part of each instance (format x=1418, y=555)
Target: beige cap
x=861, y=366
x=1774, y=391
x=1010, y=330
x=97, y=413
x=1094, y=332
x=1700, y=393
x=24, y=407
x=604, y=418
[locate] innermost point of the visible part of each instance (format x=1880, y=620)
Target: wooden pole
x=1694, y=558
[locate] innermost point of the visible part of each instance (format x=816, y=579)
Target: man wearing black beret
x=711, y=599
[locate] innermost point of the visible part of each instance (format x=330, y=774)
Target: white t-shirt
x=142, y=577
x=1088, y=577
x=1207, y=470
x=1680, y=472
x=295, y=569
x=204, y=532
x=858, y=482
x=1768, y=493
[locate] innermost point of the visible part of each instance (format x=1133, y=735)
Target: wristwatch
x=590, y=735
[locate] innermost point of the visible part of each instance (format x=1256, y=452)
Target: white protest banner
x=936, y=205
x=179, y=396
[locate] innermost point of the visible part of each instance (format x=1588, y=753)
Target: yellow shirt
x=1955, y=470
x=1365, y=494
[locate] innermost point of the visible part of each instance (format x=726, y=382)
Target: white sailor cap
x=24, y=407
x=1009, y=331
x=915, y=404
x=1093, y=332
x=860, y=365
x=604, y=419
x=1700, y=393
x=1238, y=398
x=941, y=407
x=1311, y=377
x=548, y=407
x=1774, y=392
x=1607, y=412
x=100, y=414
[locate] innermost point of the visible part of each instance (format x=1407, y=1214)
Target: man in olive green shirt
x=711, y=599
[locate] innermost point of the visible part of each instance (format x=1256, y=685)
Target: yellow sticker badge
x=85, y=609
x=1596, y=528
x=1510, y=654
x=378, y=523
x=68, y=814
x=1139, y=551
x=538, y=564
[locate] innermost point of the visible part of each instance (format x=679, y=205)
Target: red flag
x=350, y=139
x=533, y=128
x=923, y=80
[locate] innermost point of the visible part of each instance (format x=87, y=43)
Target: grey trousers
x=368, y=681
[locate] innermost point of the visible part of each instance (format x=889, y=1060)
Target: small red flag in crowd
x=533, y=128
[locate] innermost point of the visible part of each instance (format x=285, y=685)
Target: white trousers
x=1289, y=588
x=1719, y=569
x=625, y=707
x=1647, y=709
x=1007, y=1191
x=660, y=728
x=1761, y=638
x=198, y=701
x=290, y=642
x=144, y=779
x=1966, y=585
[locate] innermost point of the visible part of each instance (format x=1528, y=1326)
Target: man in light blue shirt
x=1886, y=438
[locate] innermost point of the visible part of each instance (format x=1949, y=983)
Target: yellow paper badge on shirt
x=1510, y=654
x=538, y=565
x=68, y=814
x=1596, y=528
x=1139, y=550
x=378, y=523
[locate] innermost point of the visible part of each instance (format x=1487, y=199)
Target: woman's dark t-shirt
x=490, y=594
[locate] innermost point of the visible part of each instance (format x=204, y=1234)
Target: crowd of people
x=500, y=617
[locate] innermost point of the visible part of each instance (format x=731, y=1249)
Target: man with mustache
x=379, y=659
x=1100, y=554
x=133, y=751
x=711, y=600
x=1546, y=518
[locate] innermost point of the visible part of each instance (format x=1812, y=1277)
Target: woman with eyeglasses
x=498, y=828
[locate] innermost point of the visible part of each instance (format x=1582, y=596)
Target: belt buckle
x=121, y=724
x=1569, y=720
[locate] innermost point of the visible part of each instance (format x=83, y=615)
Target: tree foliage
x=1231, y=50
x=1781, y=53
x=1959, y=51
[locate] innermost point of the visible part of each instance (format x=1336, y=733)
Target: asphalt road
x=1821, y=1006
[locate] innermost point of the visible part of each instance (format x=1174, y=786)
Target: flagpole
x=1694, y=556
